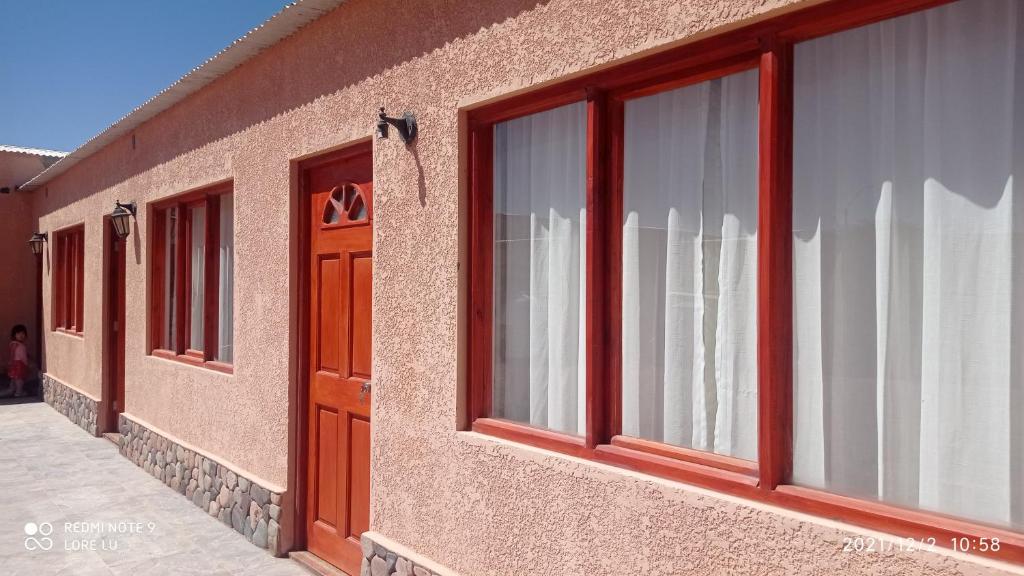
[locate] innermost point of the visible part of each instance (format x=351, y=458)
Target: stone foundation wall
x=252, y=510
x=381, y=557
x=78, y=407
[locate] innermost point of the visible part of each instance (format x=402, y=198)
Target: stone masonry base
x=252, y=510
x=78, y=407
x=384, y=557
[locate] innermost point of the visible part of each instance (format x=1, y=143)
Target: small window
x=193, y=265
x=68, y=279
x=226, y=280
x=345, y=206
x=197, y=275
x=689, y=266
x=170, y=261
x=540, y=203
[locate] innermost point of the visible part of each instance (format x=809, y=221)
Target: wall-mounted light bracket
x=36, y=242
x=121, y=218
x=406, y=125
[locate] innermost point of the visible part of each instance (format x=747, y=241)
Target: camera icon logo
x=43, y=530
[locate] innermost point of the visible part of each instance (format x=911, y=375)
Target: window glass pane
x=68, y=279
x=58, y=280
x=70, y=275
x=197, y=270
x=79, y=280
x=908, y=249
x=689, y=267
x=170, y=279
x=226, y=283
x=539, y=274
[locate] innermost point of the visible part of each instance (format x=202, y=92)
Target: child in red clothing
x=17, y=366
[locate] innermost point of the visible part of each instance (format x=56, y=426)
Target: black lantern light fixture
x=121, y=218
x=36, y=242
x=406, y=126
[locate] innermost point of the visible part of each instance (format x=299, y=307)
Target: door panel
x=330, y=330
x=113, y=391
x=362, y=276
x=359, y=476
x=341, y=275
x=327, y=440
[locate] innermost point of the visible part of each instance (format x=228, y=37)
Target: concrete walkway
x=107, y=516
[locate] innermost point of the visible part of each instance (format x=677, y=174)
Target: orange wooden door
x=341, y=260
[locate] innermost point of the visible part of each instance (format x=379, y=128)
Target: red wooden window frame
x=767, y=46
x=180, y=349
x=68, y=285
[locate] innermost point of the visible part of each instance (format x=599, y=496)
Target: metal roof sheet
x=278, y=27
x=32, y=151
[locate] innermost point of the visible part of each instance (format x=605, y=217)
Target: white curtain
x=170, y=279
x=539, y=269
x=198, y=256
x=226, y=281
x=689, y=258
x=909, y=261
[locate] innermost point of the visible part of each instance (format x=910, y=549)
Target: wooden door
x=341, y=272
x=114, y=389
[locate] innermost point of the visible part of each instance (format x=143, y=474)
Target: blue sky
x=70, y=68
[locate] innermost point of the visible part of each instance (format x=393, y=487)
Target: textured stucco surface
x=17, y=263
x=17, y=270
x=474, y=504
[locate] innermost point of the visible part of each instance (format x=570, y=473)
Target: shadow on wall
x=421, y=181
x=357, y=41
x=136, y=241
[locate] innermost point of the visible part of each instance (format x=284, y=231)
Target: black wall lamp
x=121, y=218
x=406, y=125
x=36, y=242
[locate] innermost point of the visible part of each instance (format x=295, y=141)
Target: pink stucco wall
x=17, y=264
x=17, y=271
x=476, y=504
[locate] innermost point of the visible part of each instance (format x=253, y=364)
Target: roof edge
x=32, y=151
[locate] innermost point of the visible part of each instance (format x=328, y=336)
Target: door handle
x=364, y=390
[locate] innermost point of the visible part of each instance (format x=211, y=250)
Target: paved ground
x=53, y=474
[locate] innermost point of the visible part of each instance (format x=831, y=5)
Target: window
x=193, y=266
x=784, y=263
x=226, y=280
x=689, y=266
x=907, y=251
x=539, y=268
x=68, y=279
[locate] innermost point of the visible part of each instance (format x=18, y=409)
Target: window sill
x=192, y=360
x=70, y=332
x=693, y=456
x=692, y=466
x=905, y=523
x=733, y=477
x=538, y=437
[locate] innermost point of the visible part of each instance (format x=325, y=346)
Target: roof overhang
x=42, y=152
